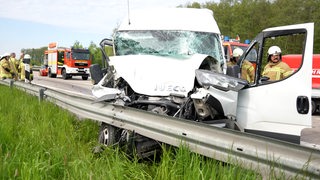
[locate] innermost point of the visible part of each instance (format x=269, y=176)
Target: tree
x=248, y=17
x=96, y=54
x=77, y=45
x=36, y=54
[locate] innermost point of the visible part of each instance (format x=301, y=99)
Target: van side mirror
x=106, y=42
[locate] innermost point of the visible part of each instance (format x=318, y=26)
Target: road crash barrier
x=264, y=155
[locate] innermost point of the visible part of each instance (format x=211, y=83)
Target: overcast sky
x=36, y=23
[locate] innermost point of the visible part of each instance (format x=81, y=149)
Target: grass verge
x=39, y=140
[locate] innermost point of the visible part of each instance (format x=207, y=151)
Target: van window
x=278, y=66
x=273, y=64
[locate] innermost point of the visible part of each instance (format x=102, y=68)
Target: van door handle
x=303, y=104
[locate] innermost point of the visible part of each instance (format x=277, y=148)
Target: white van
x=171, y=62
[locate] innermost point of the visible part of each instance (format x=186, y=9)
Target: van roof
x=190, y=19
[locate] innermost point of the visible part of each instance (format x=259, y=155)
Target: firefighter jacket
x=231, y=63
x=20, y=66
x=277, y=71
x=247, y=71
x=22, y=74
x=15, y=62
x=5, y=70
x=13, y=67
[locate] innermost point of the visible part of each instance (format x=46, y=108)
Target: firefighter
x=26, y=69
x=276, y=69
x=232, y=61
x=247, y=69
x=14, y=65
x=5, y=69
x=20, y=64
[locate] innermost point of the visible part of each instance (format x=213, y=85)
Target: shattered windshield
x=167, y=43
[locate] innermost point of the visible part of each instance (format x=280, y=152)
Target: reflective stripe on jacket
x=247, y=71
x=277, y=71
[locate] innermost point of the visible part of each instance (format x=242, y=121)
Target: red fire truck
x=294, y=61
x=67, y=62
x=230, y=44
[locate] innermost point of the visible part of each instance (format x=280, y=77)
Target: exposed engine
x=199, y=102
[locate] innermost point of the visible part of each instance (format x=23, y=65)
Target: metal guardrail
x=266, y=156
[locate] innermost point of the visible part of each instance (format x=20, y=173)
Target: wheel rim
x=105, y=136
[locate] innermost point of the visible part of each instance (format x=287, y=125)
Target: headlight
x=219, y=81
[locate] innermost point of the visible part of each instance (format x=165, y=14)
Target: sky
x=35, y=23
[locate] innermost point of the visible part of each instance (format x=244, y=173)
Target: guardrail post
x=11, y=83
x=41, y=94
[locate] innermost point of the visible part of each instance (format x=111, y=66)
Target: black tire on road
x=313, y=107
x=64, y=74
x=51, y=75
x=109, y=135
x=84, y=77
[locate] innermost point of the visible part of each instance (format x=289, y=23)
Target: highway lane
x=76, y=84
x=309, y=137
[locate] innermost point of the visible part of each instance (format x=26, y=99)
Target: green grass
x=39, y=140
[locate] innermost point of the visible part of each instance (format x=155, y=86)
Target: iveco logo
x=170, y=88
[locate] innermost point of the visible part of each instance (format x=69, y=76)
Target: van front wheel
x=109, y=135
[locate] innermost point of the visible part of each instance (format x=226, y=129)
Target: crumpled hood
x=158, y=75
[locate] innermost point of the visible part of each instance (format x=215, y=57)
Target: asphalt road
x=75, y=85
x=309, y=137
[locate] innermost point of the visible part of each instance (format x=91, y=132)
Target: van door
x=280, y=108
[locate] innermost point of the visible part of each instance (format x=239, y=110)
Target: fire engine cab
x=67, y=62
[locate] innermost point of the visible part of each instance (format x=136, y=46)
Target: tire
x=142, y=147
x=84, y=77
x=147, y=148
x=51, y=75
x=313, y=107
x=64, y=74
x=109, y=135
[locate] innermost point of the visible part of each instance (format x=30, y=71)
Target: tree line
x=245, y=18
